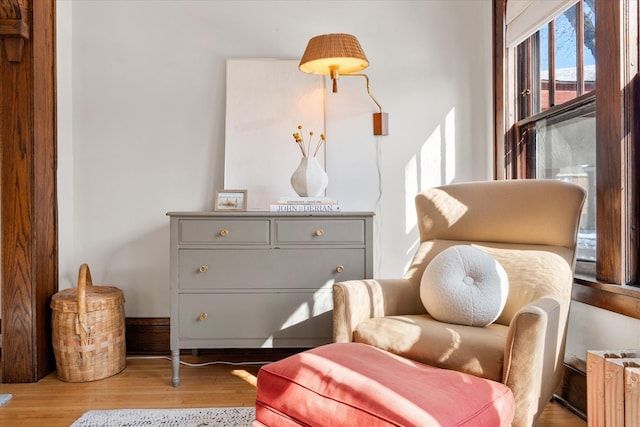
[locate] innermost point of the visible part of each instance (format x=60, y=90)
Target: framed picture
x=231, y=200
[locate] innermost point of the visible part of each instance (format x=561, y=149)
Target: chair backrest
x=541, y=212
x=529, y=226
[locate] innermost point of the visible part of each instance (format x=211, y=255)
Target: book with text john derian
x=304, y=207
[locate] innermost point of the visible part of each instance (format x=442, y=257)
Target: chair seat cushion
x=352, y=384
x=475, y=351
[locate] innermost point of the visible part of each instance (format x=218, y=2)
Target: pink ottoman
x=353, y=384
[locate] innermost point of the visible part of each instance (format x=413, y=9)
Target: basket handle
x=84, y=280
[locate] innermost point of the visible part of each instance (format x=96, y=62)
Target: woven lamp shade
x=341, y=52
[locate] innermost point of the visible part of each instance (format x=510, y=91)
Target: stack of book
x=305, y=204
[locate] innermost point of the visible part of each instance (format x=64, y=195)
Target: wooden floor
x=146, y=383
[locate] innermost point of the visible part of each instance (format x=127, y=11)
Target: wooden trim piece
x=14, y=16
x=499, y=92
x=45, y=151
x=14, y=27
x=573, y=104
x=28, y=188
x=572, y=393
x=631, y=159
x=552, y=63
x=14, y=47
x=618, y=299
x=616, y=135
x=580, y=47
x=608, y=137
x=524, y=79
x=148, y=335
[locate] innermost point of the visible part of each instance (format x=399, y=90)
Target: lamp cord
x=378, y=207
x=216, y=362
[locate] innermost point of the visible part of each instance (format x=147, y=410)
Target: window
x=562, y=146
x=557, y=63
x=555, y=131
x=554, y=121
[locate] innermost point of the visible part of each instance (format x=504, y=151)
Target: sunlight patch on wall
x=410, y=191
x=431, y=161
x=450, y=146
x=435, y=165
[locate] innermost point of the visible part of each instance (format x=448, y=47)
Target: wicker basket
x=88, y=330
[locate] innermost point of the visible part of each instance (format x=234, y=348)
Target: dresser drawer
x=259, y=319
x=311, y=268
x=319, y=231
x=225, y=231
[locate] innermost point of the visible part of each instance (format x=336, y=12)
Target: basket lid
x=97, y=298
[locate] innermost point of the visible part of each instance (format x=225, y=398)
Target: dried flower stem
x=301, y=146
x=301, y=143
x=309, y=144
x=320, y=142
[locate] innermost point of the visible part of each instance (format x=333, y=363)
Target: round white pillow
x=464, y=285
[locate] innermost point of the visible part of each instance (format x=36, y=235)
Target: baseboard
x=144, y=335
x=148, y=335
x=151, y=336
x=572, y=392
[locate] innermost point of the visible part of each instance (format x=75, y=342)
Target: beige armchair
x=530, y=228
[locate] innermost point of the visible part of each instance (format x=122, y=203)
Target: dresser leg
x=175, y=365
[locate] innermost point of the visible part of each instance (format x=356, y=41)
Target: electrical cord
x=215, y=362
x=378, y=208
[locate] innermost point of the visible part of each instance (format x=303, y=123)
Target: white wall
x=142, y=114
x=141, y=98
x=592, y=328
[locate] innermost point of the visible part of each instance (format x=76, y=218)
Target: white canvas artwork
x=266, y=101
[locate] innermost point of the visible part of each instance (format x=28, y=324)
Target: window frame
x=524, y=158
x=612, y=283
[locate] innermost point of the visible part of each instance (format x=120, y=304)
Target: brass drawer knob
x=340, y=268
x=319, y=232
x=224, y=232
x=203, y=316
x=203, y=269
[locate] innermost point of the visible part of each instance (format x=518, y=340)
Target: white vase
x=309, y=179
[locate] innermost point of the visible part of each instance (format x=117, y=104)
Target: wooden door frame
x=29, y=229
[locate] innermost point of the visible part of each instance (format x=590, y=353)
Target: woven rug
x=192, y=417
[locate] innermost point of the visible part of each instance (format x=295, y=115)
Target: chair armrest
x=533, y=358
x=358, y=300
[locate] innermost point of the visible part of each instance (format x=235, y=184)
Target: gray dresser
x=261, y=279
